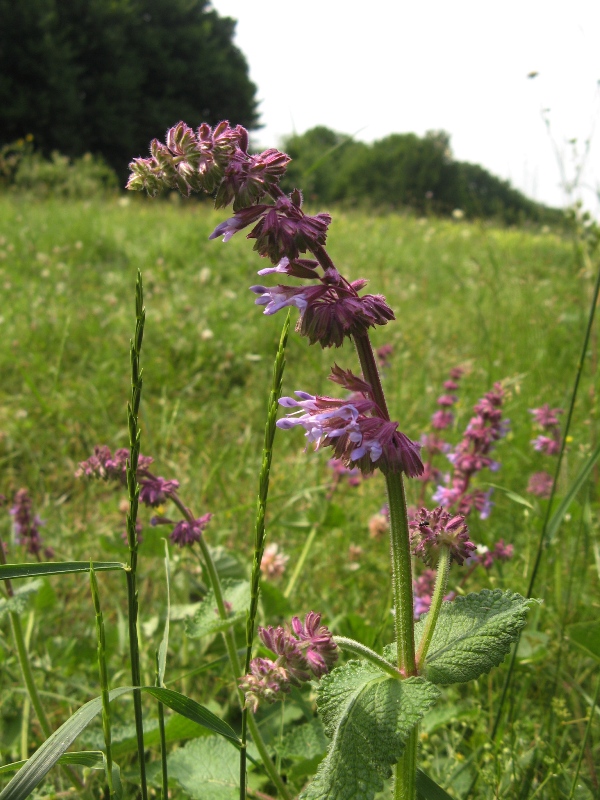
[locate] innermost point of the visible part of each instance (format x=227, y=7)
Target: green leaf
x=207, y=621
x=205, y=770
x=194, y=711
x=226, y=564
x=304, y=741
x=368, y=716
x=12, y=571
x=55, y=745
x=574, y=488
x=124, y=739
x=428, y=789
x=516, y=498
x=586, y=635
x=473, y=634
x=18, y=603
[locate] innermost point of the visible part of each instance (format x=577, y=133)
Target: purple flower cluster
x=155, y=490
x=26, y=525
x=340, y=470
x=208, y=160
x=432, y=530
x=330, y=310
x=305, y=651
x=444, y=417
x=472, y=454
x=549, y=443
x=102, y=464
x=356, y=438
x=487, y=557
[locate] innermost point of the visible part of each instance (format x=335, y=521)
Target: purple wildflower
x=384, y=355
x=305, y=651
x=545, y=416
x=273, y=562
x=442, y=419
x=186, y=532
x=545, y=444
x=540, y=484
x=357, y=439
x=26, y=525
x=102, y=464
x=155, y=491
x=431, y=530
x=422, y=592
x=340, y=470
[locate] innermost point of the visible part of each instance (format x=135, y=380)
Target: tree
x=107, y=76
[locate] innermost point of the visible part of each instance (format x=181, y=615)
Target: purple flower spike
x=545, y=416
x=430, y=530
x=26, y=525
x=185, y=532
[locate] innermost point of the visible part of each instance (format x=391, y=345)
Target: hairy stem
x=358, y=649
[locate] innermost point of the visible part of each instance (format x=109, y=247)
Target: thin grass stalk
x=163, y=738
x=588, y=729
x=23, y=656
x=542, y=539
x=133, y=408
x=25, y=712
x=104, y=687
x=259, y=527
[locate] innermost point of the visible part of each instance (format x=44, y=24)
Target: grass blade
x=46, y=756
x=12, y=571
x=574, y=488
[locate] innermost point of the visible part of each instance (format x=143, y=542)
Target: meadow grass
x=509, y=304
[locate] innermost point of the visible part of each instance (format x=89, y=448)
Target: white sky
x=376, y=67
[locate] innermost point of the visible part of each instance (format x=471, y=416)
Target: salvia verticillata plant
x=371, y=712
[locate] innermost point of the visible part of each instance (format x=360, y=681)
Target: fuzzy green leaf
x=368, y=715
x=304, y=741
x=473, y=635
x=207, y=621
x=206, y=769
x=18, y=603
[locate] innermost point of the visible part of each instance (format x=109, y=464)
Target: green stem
x=213, y=577
x=441, y=582
x=406, y=769
x=101, y=640
x=300, y=563
x=134, y=491
x=370, y=655
x=27, y=674
x=405, y=787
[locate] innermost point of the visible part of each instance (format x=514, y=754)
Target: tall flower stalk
x=362, y=436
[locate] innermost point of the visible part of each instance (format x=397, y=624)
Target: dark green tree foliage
x=107, y=76
x=403, y=171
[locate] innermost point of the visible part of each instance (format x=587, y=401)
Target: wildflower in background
x=189, y=532
x=540, y=484
x=487, y=557
x=305, y=651
x=430, y=530
x=340, y=470
x=379, y=525
x=26, y=525
x=422, y=591
x=273, y=562
x=472, y=454
x=545, y=444
x=154, y=492
x=384, y=355
x=102, y=464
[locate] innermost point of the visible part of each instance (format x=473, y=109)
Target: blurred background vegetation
x=101, y=79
